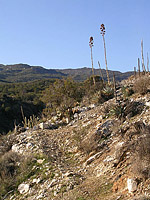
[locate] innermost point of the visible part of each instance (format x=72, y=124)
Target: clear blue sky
x=55, y=33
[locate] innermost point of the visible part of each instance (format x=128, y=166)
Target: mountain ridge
x=24, y=73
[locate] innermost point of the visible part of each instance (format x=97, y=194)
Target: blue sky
x=55, y=33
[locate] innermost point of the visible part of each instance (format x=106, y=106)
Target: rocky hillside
x=101, y=154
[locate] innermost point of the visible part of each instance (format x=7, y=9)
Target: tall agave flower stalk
x=139, y=67
x=143, y=66
x=102, y=28
x=91, y=44
x=115, y=92
x=134, y=72
x=101, y=72
x=147, y=63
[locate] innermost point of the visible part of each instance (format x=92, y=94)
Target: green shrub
x=126, y=91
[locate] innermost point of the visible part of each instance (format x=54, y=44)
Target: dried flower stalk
x=102, y=28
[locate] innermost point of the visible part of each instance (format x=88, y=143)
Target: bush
x=126, y=109
x=6, y=143
x=8, y=166
x=8, y=171
x=141, y=85
x=61, y=96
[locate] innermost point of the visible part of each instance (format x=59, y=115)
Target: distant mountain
x=81, y=74
x=25, y=73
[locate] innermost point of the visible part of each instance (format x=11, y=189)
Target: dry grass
x=141, y=160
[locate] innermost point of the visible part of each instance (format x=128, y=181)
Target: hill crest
x=24, y=73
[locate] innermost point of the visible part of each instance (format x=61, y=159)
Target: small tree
x=91, y=44
x=102, y=28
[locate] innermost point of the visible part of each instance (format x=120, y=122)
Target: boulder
x=131, y=185
x=15, y=148
x=44, y=125
x=105, y=129
x=147, y=103
x=23, y=188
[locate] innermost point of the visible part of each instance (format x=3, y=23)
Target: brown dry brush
x=141, y=85
x=141, y=153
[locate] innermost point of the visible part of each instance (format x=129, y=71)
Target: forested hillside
x=45, y=98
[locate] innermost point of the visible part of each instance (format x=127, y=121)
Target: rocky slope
x=96, y=156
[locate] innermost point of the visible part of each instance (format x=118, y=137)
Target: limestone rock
x=15, y=148
x=40, y=161
x=132, y=185
x=92, y=158
x=23, y=188
x=36, y=180
x=44, y=125
x=147, y=104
